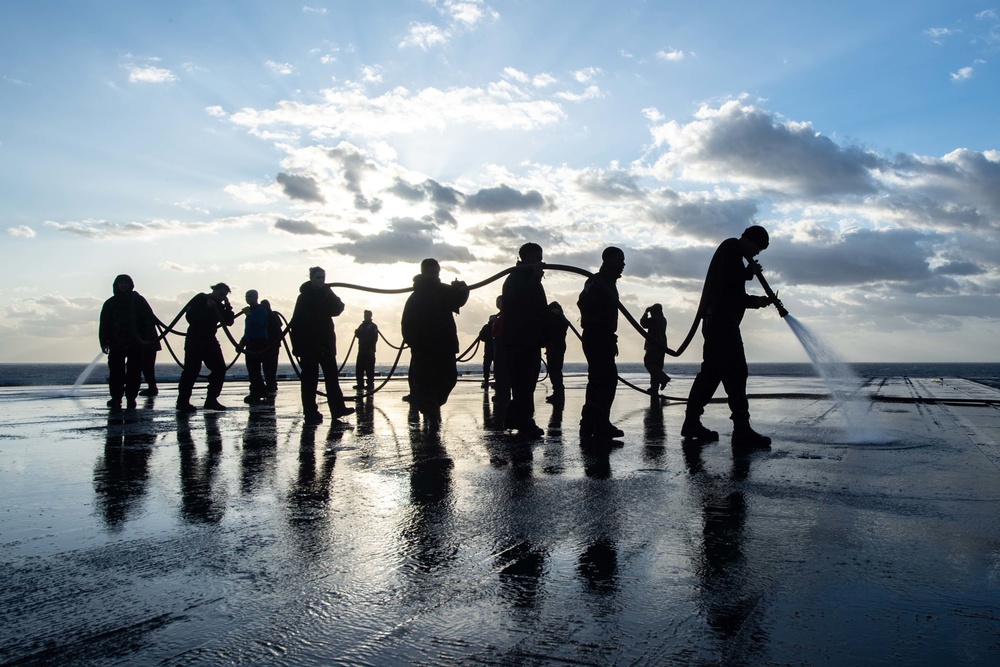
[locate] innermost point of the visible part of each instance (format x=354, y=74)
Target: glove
x=762, y=301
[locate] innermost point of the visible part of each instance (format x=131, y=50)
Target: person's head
x=123, y=284
x=430, y=268
x=753, y=240
x=251, y=297
x=220, y=291
x=656, y=308
x=499, y=301
x=266, y=304
x=368, y=316
x=317, y=276
x=555, y=307
x=530, y=253
x=613, y=261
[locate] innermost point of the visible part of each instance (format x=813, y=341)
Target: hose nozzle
x=782, y=311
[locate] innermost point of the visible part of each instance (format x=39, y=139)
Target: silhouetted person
x=367, y=333
x=254, y=344
x=556, y=326
x=205, y=313
x=314, y=342
x=598, y=304
x=273, y=351
x=724, y=302
x=525, y=314
x=486, y=338
x=428, y=327
x=655, y=324
x=127, y=326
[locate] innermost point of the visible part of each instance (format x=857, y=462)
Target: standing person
x=125, y=332
x=428, y=327
x=274, y=335
x=655, y=324
x=205, y=313
x=598, y=304
x=724, y=303
x=486, y=338
x=525, y=312
x=367, y=333
x=314, y=342
x=555, y=351
x=254, y=344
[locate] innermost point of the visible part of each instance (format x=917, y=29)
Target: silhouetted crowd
x=513, y=340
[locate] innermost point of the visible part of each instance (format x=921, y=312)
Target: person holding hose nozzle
x=724, y=361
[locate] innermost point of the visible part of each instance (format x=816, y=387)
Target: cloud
x=250, y=193
x=280, y=68
x=503, y=199
x=937, y=33
x=702, y=216
x=509, y=237
x=102, y=229
x=52, y=316
x=313, y=10
x=424, y=36
x=180, y=268
x=371, y=73
x=963, y=74
x=347, y=111
x=304, y=188
x=986, y=14
x=21, y=231
x=405, y=240
x=673, y=55
x=300, y=227
x=746, y=144
x=149, y=74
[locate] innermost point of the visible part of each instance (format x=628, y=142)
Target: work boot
x=608, y=431
x=530, y=431
x=130, y=403
x=747, y=438
x=115, y=404
x=342, y=411
x=314, y=417
x=213, y=404
x=151, y=391
x=692, y=429
x=186, y=407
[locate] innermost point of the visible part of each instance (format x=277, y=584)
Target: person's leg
x=331, y=381
x=255, y=370
x=116, y=376
x=193, y=350
x=149, y=372
x=606, y=385
x=133, y=374
x=309, y=380
x=702, y=389
x=370, y=371
x=216, y=365
x=271, y=368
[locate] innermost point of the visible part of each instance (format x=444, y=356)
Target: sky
x=188, y=143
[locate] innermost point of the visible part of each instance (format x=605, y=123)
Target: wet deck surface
x=247, y=537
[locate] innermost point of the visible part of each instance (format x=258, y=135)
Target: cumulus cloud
x=300, y=227
x=280, y=68
x=21, y=231
x=503, y=199
x=460, y=16
x=405, y=240
x=180, y=268
x=149, y=74
x=737, y=143
x=51, y=316
x=304, y=188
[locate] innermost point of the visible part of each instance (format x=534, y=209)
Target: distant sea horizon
x=58, y=374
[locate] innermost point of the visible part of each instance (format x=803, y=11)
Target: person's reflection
x=520, y=573
x=598, y=566
x=596, y=460
x=555, y=419
x=260, y=445
x=309, y=498
x=654, y=432
x=425, y=529
x=728, y=593
x=122, y=472
x=198, y=474
x=366, y=415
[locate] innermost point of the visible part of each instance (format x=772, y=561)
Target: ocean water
x=17, y=375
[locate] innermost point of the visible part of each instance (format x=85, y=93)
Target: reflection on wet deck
x=248, y=537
